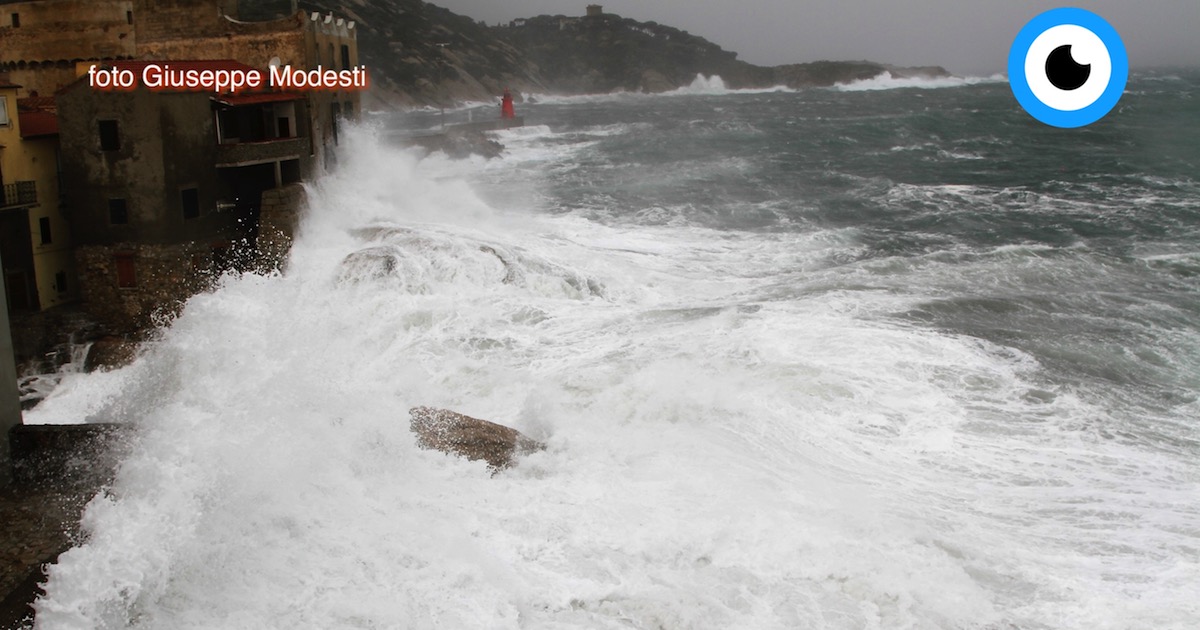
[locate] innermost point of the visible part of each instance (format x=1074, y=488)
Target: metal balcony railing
x=19, y=194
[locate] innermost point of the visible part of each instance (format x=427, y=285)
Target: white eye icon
x=1068, y=67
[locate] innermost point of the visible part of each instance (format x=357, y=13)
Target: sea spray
x=828, y=395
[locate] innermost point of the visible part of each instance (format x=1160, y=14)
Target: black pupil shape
x=1063, y=72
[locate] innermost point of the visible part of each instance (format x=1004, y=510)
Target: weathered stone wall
x=10, y=406
x=278, y=219
x=167, y=143
x=40, y=53
x=206, y=31
x=181, y=19
x=166, y=276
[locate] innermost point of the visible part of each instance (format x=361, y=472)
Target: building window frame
x=118, y=211
x=125, y=265
x=44, y=230
x=110, y=135
x=189, y=202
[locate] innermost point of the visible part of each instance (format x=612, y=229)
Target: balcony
x=246, y=153
x=19, y=195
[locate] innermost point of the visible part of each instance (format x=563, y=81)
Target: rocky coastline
x=421, y=54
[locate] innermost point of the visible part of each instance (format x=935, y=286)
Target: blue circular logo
x=1068, y=67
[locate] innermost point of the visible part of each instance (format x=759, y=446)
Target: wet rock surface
x=36, y=525
x=56, y=470
x=472, y=438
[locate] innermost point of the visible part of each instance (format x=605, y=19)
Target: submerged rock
x=110, y=353
x=468, y=437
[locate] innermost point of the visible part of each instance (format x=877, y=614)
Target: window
x=129, y=17
x=3, y=111
x=189, y=198
x=16, y=20
x=345, y=57
x=331, y=58
x=60, y=282
x=289, y=171
x=335, y=112
x=118, y=212
x=44, y=228
x=126, y=274
x=109, y=138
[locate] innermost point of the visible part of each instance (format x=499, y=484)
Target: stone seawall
x=163, y=277
x=277, y=221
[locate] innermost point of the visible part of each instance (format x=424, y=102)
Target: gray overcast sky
x=965, y=36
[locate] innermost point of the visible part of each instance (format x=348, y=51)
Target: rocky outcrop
x=110, y=353
x=419, y=53
x=472, y=438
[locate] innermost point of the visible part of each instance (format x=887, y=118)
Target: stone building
x=167, y=186
x=595, y=10
x=211, y=29
x=35, y=237
x=41, y=41
x=164, y=188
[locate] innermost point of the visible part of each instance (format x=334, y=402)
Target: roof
x=36, y=104
x=254, y=99
x=35, y=124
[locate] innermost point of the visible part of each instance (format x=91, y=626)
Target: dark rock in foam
x=472, y=438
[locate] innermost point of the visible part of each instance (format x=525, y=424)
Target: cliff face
x=419, y=53
x=605, y=53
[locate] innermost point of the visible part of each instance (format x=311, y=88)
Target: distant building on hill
x=594, y=10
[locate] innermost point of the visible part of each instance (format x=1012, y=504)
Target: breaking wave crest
x=885, y=81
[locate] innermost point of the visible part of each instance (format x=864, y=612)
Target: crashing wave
x=885, y=81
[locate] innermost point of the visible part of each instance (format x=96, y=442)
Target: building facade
x=41, y=41
x=35, y=236
x=167, y=186
x=162, y=188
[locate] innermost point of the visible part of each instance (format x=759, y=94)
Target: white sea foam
x=738, y=437
x=702, y=85
x=885, y=81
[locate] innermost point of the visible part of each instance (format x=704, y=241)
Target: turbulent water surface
x=846, y=358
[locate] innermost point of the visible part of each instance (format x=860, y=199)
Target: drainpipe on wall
x=10, y=403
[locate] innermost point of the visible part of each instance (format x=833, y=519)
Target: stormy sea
x=885, y=355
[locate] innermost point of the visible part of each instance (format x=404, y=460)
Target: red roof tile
x=36, y=104
x=35, y=124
